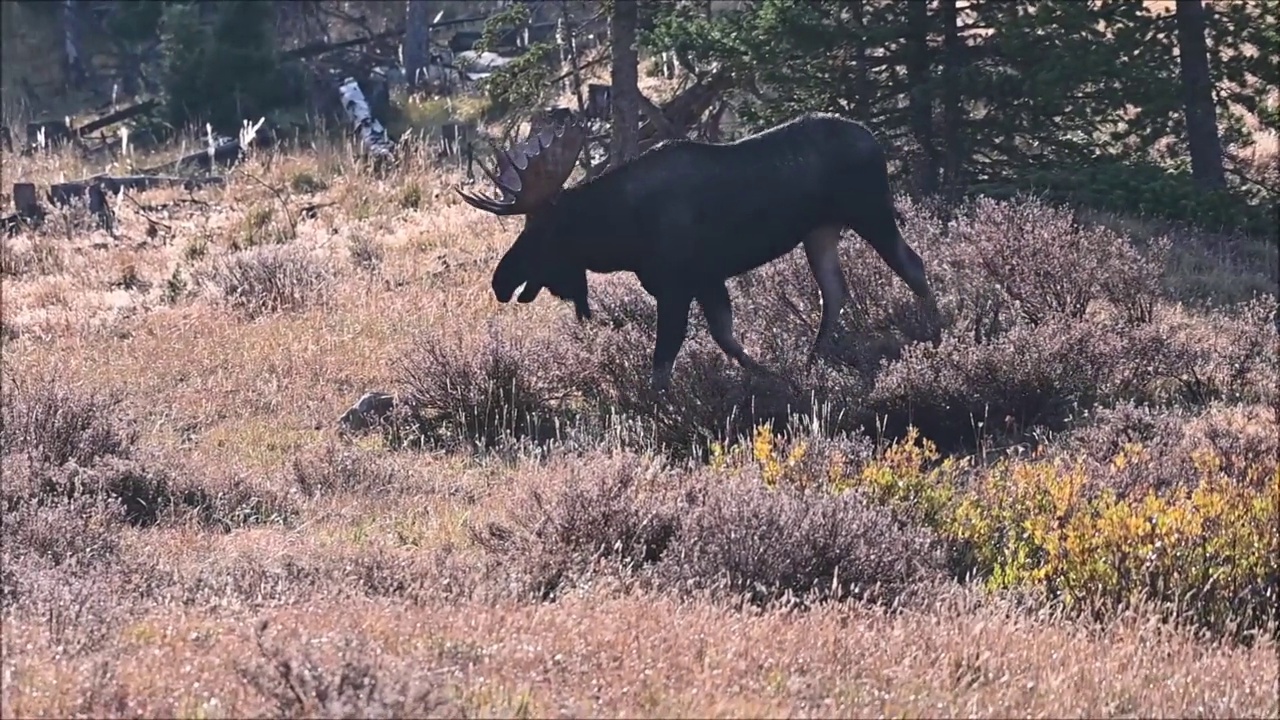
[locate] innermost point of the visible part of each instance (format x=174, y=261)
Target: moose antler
x=532, y=173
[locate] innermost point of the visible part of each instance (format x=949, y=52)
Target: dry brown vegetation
x=186, y=533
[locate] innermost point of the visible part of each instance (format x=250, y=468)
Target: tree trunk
x=951, y=111
x=861, y=79
x=921, y=99
x=1197, y=97
x=73, y=59
x=415, y=40
x=566, y=35
x=624, y=140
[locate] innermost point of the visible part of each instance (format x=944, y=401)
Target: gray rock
x=370, y=410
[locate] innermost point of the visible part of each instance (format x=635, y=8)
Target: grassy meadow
x=1066, y=508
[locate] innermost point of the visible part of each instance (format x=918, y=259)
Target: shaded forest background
x=1161, y=109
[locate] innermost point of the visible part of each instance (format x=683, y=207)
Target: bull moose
x=686, y=216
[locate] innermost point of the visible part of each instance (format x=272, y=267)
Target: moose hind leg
x=673, y=325
x=822, y=248
x=718, y=310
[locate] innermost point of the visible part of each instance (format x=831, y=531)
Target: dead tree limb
x=665, y=130
x=681, y=113
x=118, y=116
x=311, y=50
x=315, y=49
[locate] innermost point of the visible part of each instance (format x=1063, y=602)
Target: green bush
x=225, y=72
x=1145, y=188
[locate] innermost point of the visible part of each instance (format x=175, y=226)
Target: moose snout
x=504, y=287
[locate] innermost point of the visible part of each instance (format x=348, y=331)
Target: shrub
x=606, y=511
x=710, y=399
x=1087, y=534
x=62, y=446
x=1167, y=442
x=268, y=279
x=1023, y=261
x=495, y=388
x=624, y=516
x=1040, y=319
x=1210, y=550
x=768, y=544
x=337, y=469
x=84, y=531
x=352, y=678
x=53, y=424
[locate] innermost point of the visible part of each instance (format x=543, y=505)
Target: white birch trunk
x=366, y=127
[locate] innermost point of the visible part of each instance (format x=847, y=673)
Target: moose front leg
x=673, y=324
x=822, y=248
x=571, y=285
x=718, y=310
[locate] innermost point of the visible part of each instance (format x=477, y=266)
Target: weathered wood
x=6, y=137
x=118, y=116
x=373, y=136
x=101, y=208
x=63, y=193
x=13, y=223
x=225, y=153
x=315, y=49
x=665, y=130
x=25, y=201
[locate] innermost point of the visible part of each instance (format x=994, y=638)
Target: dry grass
x=638, y=656
x=174, y=476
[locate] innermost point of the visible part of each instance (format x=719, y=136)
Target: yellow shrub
x=1210, y=547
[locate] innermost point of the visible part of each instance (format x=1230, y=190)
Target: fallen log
x=680, y=113
x=117, y=116
x=64, y=193
x=225, y=153
x=373, y=136
x=311, y=50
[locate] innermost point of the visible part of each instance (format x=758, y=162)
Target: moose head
x=530, y=177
